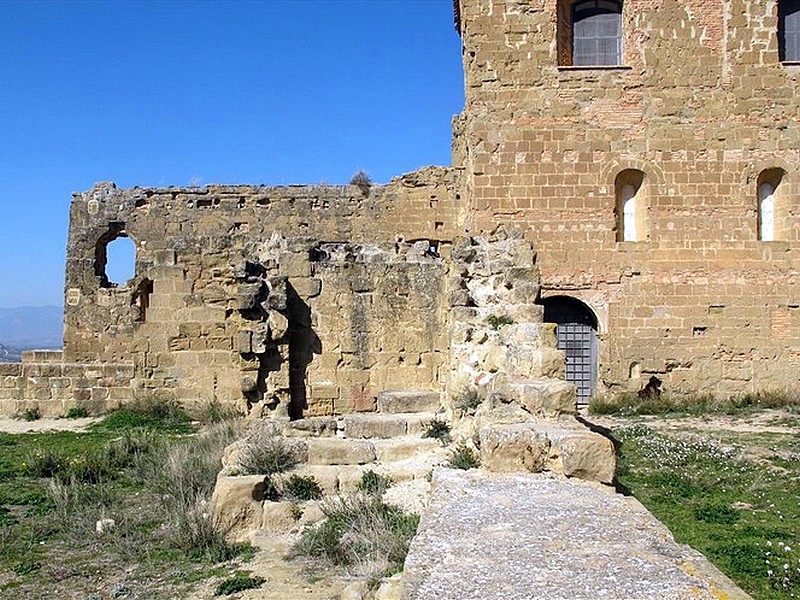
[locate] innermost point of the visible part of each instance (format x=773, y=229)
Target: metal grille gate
x=578, y=341
x=577, y=338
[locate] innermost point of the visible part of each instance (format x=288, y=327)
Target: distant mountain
x=29, y=327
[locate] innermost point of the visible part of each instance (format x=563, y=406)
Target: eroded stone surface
x=528, y=537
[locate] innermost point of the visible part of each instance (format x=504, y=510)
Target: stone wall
x=702, y=110
x=45, y=382
x=293, y=300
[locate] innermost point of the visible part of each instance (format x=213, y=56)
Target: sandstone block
x=547, y=398
x=402, y=449
x=340, y=452
x=374, y=426
x=311, y=426
x=280, y=517
x=236, y=503
x=588, y=455
x=514, y=447
x=408, y=401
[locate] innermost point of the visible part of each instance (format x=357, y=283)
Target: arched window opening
x=789, y=30
x=629, y=208
x=768, y=203
x=576, y=332
x=115, y=257
x=590, y=33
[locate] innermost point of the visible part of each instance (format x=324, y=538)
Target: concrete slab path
x=522, y=537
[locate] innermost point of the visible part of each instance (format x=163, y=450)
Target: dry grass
x=694, y=404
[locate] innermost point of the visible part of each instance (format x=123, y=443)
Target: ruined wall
x=291, y=300
x=43, y=381
x=702, y=108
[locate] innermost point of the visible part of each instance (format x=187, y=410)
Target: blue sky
x=179, y=92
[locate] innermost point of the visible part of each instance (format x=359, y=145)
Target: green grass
x=741, y=512
x=630, y=404
x=154, y=482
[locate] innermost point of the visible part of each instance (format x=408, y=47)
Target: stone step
x=342, y=479
x=336, y=451
x=385, y=425
x=565, y=447
x=409, y=401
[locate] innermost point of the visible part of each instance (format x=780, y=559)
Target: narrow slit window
x=628, y=213
x=766, y=212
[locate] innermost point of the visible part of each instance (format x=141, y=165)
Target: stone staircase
x=336, y=451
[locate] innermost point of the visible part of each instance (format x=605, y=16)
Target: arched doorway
x=576, y=331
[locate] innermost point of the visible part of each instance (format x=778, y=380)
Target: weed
x=216, y=412
x=360, y=533
x=362, y=181
x=694, y=404
x=374, y=484
x=467, y=400
x=438, y=430
x=463, y=457
x=77, y=412
x=43, y=463
x=154, y=414
x=498, y=321
x=240, y=582
x=267, y=453
x=31, y=414
x=300, y=489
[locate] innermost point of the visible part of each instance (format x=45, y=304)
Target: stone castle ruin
x=646, y=150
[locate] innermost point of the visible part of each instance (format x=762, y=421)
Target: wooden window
x=789, y=30
x=597, y=33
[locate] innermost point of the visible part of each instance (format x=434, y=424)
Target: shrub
x=438, y=430
x=360, y=533
x=216, y=412
x=497, y=321
x=31, y=414
x=374, y=484
x=362, y=181
x=267, y=453
x=155, y=414
x=301, y=489
x=463, y=457
x=77, y=412
x=238, y=583
x=43, y=463
x=467, y=400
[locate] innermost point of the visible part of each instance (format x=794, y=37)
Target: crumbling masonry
x=658, y=185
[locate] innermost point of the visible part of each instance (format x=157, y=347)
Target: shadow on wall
x=304, y=343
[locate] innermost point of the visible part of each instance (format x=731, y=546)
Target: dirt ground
x=42, y=425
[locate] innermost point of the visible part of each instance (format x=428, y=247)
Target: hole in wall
x=115, y=256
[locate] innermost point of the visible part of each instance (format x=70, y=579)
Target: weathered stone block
x=374, y=426
x=513, y=447
x=340, y=452
x=547, y=398
x=409, y=401
x=236, y=503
